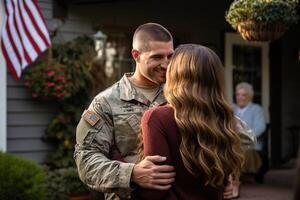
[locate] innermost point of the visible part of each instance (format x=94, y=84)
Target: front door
x=247, y=62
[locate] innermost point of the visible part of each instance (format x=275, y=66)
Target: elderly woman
x=250, y=112
x=253, y=115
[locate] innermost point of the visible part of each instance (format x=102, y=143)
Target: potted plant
x=262, y=20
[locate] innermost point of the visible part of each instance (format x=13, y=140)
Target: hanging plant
x=49, y=81
x=262, y=20
x=63, y=75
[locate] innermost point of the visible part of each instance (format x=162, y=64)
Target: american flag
x=24, y=34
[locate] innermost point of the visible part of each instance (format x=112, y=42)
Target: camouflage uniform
x=113, y=121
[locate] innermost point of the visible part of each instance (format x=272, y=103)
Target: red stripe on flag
x=10, y=38
x=35, y=23
x=25, y=40
x=27, y=58
x=24, y=34
x=12, y=43
x=35, y=46
x=40, y=13
x=9, y=63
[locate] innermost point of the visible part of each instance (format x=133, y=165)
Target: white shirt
x=241, y=111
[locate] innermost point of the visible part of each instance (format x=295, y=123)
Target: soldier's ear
x=135, y=55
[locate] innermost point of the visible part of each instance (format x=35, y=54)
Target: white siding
x=27, y=119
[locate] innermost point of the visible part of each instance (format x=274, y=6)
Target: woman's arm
x=155, y=143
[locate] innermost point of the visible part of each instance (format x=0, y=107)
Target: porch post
x=276, y=102
x=3, y=72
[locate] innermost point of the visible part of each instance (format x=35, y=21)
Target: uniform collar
x=128, y=93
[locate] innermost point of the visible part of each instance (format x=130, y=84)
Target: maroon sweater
x=161, y=137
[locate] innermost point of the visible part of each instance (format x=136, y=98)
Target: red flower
x=61, y=94
x=51, y=73
x=61, y=78
x=58, y=87
x=50, y=84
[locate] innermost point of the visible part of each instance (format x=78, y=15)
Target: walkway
x=278, y=186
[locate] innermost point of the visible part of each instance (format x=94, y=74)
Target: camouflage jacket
x=112, y=121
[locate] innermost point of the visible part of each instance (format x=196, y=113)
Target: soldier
x=111, y=123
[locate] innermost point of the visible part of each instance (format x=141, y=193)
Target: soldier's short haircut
x=150, y=32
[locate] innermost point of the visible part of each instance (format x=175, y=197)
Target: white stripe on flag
x=11, y=53
x=24, y=35
x=29, y=48
x=26, y=43
x=7, y=41
x=38, y=19
x=37, y=38
x=14, y=34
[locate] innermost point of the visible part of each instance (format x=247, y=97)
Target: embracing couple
x=165, y=131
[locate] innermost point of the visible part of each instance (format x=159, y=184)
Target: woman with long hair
x=196, y=131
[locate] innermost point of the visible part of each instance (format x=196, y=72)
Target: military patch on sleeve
x=90, y=117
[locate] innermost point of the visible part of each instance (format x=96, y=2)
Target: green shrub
x=20, y=178
x=62, y=183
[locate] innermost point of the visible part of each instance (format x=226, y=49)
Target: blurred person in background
x=253, y=115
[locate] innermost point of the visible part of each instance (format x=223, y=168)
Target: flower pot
x=260, y=31
x=80, y=197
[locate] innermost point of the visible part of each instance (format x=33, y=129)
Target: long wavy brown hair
x=210, y=146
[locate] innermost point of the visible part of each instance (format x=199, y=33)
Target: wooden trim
x=276, y=102
x=2, y=89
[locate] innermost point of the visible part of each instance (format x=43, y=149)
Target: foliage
x=64, y=75
x=48, y=81
x=268, y=11
x=20, y=178
x=77, y=57
x=74, y=62
x=62, y=183
x=61, y=131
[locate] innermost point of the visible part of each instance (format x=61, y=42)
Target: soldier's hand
x=151, y=176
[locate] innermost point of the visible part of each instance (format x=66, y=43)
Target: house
x=273, y=67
